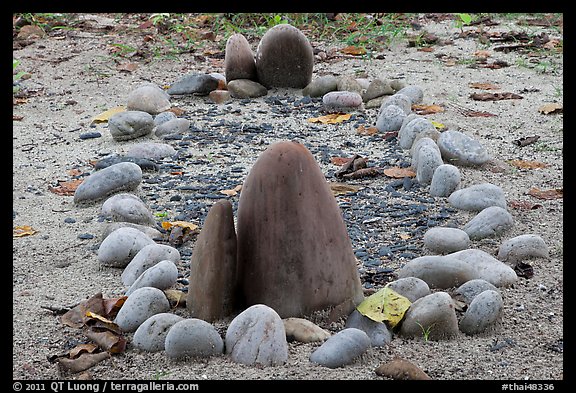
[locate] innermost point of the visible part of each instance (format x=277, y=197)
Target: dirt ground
x=74, y=76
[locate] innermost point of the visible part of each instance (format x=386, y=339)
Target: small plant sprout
x=426, y=331
x=462, y=20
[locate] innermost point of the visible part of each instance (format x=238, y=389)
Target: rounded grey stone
x=519, y=248
x=128, y=125
x=163, y=117
x=151, y=334
x=139, y=306
x=320, y=86
x=349, y=83
x=470, y=289
x=118, y=249
x=246, y=88
x=148, y=256
x=123, y=176
x=390, y=118
x=152, y=233
x=162, y=275
x=400, y=100
x=419, y=144
x=408, y=132
x=414, y=92
x=126, y=207
x=431, y=317
x=445, y=180
x=482, y=313
x=458, y=148
x=412, y=288
x=442, y=240
x=487, y=267
x=257, y=336
x=490, y=222
x=478, y=197
x=195, y=83
x=341, y=348
x=193, y=337
x=149, y=98
x=151, y=150
x=377, y=331
x=429, y=159
x=438, y=271
x=171, y=127
x=377, y=88
x=397, y=84
x=341, y=101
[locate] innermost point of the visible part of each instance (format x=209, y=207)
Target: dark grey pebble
x=90, y=135
x=86, y=236
x=196, y=83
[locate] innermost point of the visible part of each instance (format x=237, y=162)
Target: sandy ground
x=74, y=78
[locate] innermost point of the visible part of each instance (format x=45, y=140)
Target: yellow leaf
x=386, y=305
x=176, y=297
x=343, y=189
x=404, y=236
x=422, y=109
x=183, y=224
x=23, y=230
x=353, y=50
x=106, y=115
x=439, y=126
x=331, y=118
x=99, y=317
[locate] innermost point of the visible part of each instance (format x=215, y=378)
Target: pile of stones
x=289, y=256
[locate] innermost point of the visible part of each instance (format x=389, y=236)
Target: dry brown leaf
x=551, y=108
x=17, y=117
x=66, y=188
x=83, y=362
x=113, y=305
x=364, y=172
x=177, y=111
x=339, y=161
x=353, y=50
x=483, y=54
x=483, y=86
x=524, y=205
x=404, y=236
x=522, y=164
x=127, y=67
x=555, y=193
x=363, y=130
x=233, y=191
x=76, y=317
x=331, y=118
x=527, y=140
x=108, y=340
x=23, y=230
x=82, y=348
x=399, y=173
x=422, y=109
x=494, y=96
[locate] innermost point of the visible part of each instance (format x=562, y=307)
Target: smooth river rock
x=148, y=98
x=124, y=176
x=431, y=317
x=126, y=207
x=478, y=197
x=491, y=221
x=487, y=267
x=139, y=306
x=444, y=240
x=151, y=334
x=522, y=247
x=482, y=313
x=257, y=336
x=193, y=337
x=128, y=125
x=118, y=248
x=145, y=258
x=342, y=348
x=162, y=275
x=460, y=149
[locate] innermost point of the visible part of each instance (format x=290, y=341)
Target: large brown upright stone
x=294, y=252
x=212, y=287
x=239, y=60
x=284, y=58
